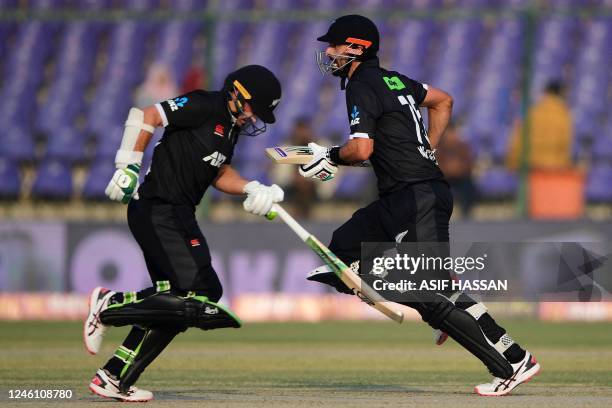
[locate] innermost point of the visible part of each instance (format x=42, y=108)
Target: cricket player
x=201, y=131
x=415, y=203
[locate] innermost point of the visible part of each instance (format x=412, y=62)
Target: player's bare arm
x=439, y=106
x=259, y=197
x=152, y=118
x=355, y=151
x=229, y=181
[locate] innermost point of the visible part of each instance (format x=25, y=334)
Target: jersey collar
x=369, y=63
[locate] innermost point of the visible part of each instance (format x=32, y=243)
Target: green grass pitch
x=331, y=364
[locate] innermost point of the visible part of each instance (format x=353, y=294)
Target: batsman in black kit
x=195, y=152
x=415, y=202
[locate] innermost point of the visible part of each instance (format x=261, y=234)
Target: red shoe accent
x=442, y=339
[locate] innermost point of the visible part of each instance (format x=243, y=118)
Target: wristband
x=125, y=157
x=334, y=156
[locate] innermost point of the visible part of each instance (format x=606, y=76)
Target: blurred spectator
x=456, y=162
x=194, y=79
x=300, y=192
x=550, y=133
x=159, y=86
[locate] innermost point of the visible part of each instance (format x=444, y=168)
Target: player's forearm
x=439, y=115
x=144, y=138
x=151, y=117
x=355, y=151
x=229, y=181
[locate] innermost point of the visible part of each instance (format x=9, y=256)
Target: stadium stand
x=66, y=86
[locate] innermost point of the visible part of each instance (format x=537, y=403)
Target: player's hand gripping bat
x=296, y=155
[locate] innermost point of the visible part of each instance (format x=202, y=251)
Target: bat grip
x=277, y=210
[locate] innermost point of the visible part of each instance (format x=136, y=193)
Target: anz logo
x=177, y=103
x=215, y=159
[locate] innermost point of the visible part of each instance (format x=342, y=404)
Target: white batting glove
x=124, y=184
x=320, y=167
x=260, y=198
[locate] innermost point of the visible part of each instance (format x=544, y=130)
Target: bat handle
x=277, y=210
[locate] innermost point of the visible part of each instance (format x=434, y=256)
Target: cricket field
x=331, y=364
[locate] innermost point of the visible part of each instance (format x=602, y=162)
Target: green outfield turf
x=322, y=364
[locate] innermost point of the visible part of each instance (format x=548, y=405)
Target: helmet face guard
x=251, y=128
x=329, y=64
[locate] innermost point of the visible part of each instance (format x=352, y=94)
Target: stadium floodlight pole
x=346, y=275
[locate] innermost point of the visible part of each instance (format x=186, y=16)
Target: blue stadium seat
x=477, y=60
x=97, y=179
x=497, y=183
x=10, y=182
x=53, y=181
x=602, y=149
x=108, y=143
x=16, y=143
x=66, y=144
x=598, y=184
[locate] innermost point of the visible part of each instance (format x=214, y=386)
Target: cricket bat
x=295, y=155
x=350, y=278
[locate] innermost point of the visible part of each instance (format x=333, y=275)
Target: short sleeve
x=417, y=90
x=185, y=111
x=364, y=109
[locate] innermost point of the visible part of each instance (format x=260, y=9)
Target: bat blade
x=290, y=154
x=297, y=155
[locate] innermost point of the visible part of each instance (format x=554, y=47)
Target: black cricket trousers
x=416, y=213
x=173, y=246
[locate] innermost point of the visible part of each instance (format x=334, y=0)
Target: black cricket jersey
x=199, y=139
x=384, y=106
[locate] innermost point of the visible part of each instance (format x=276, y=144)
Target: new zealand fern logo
x=354, y=116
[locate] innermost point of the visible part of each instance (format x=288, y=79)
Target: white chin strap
x=133, y=125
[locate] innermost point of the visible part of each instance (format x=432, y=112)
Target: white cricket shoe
x=524, y=371
x=105, y=385
x=93, y=329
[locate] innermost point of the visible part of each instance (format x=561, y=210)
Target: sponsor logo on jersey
x=195, y=242
x=394, y=83
x=428, y=154
x=177, y=103
x=354, y=116
x=219, y=129
x=215, y=159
